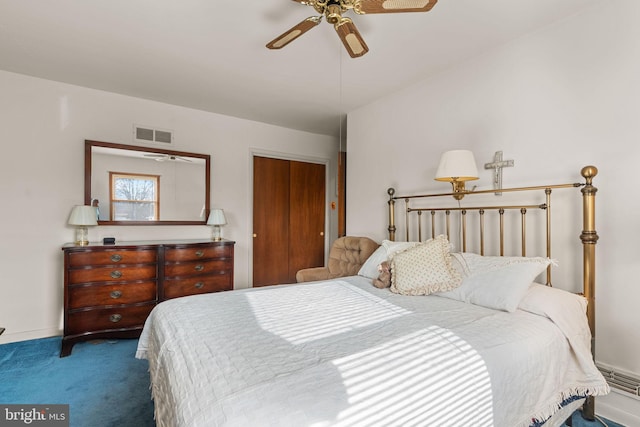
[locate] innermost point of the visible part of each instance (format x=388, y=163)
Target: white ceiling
x=211, y=55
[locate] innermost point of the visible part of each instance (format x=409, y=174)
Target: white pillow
x=424, y=269
x=383, y=253
x=551, y=302
x=495, y=282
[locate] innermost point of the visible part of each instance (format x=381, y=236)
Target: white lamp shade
x=216, y=217
x=83, y=215
x=458, y=164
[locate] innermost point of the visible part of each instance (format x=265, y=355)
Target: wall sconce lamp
x=217, y=220
x=456, y=167
x=83, y=217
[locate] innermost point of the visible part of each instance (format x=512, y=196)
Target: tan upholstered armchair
x=346, y=256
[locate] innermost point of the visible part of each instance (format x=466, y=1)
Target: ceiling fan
x=346, y=29
x=165, y=157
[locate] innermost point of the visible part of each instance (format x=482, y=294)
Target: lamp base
x=82, y=236
x=216, y=234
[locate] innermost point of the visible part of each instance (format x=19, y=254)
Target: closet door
x=270, y=221
x=288, y=219
x=306, y=216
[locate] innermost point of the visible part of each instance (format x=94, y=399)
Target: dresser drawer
x=110, y=274
x=174, y=288
x=103, y=319
x=113, y=256
x=97, y=295
x=196, y=267
x=196, y=253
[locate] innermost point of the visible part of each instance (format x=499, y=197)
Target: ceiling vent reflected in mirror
x=147, y=134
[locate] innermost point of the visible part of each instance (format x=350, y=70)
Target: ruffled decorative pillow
x=424, y=269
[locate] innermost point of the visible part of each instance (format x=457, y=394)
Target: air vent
x=147, y=134
x=622, y=381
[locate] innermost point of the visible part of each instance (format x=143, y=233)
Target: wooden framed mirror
x=132, y=185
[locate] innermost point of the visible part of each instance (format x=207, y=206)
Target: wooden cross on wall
x=497, y=166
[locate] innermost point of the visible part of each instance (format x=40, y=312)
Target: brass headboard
x=588, y=237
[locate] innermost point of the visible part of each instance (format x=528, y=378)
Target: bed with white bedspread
x=343, y=353
x=457, y=339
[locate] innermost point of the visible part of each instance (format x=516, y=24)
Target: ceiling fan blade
x=393, y=6
x=351, y=38
x=295, y=32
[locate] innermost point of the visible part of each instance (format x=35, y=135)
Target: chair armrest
x=312, y=274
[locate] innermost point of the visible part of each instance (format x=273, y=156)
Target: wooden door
x=306, y=216
x=270, y=221
x=288, y=219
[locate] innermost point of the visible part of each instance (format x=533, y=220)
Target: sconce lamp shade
x=83, y=217
x=457, y=165
x=217, y=220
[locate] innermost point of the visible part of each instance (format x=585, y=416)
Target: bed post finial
x=588, y=172
x=589, y=238
x=392, y=224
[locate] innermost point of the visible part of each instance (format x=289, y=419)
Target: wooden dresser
x=109, y=290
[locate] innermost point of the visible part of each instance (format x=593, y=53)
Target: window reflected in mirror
x=134, y=197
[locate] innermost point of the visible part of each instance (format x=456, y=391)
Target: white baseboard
x=619, y=407
x=8, y=337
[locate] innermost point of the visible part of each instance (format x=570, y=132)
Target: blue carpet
x=578, y=421
x=102, y=381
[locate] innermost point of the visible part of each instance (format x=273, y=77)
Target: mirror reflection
x=140, y=185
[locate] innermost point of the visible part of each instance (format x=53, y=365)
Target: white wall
x=561, y=98
x=43, y=125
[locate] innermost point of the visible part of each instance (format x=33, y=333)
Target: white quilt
x=343, y=353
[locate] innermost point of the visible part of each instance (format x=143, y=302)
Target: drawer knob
x=116, y=257
x=115, y=318
x=199, y=285
x=115, y=294
x=116, y=274
x=199, y=254
x=199, y=267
